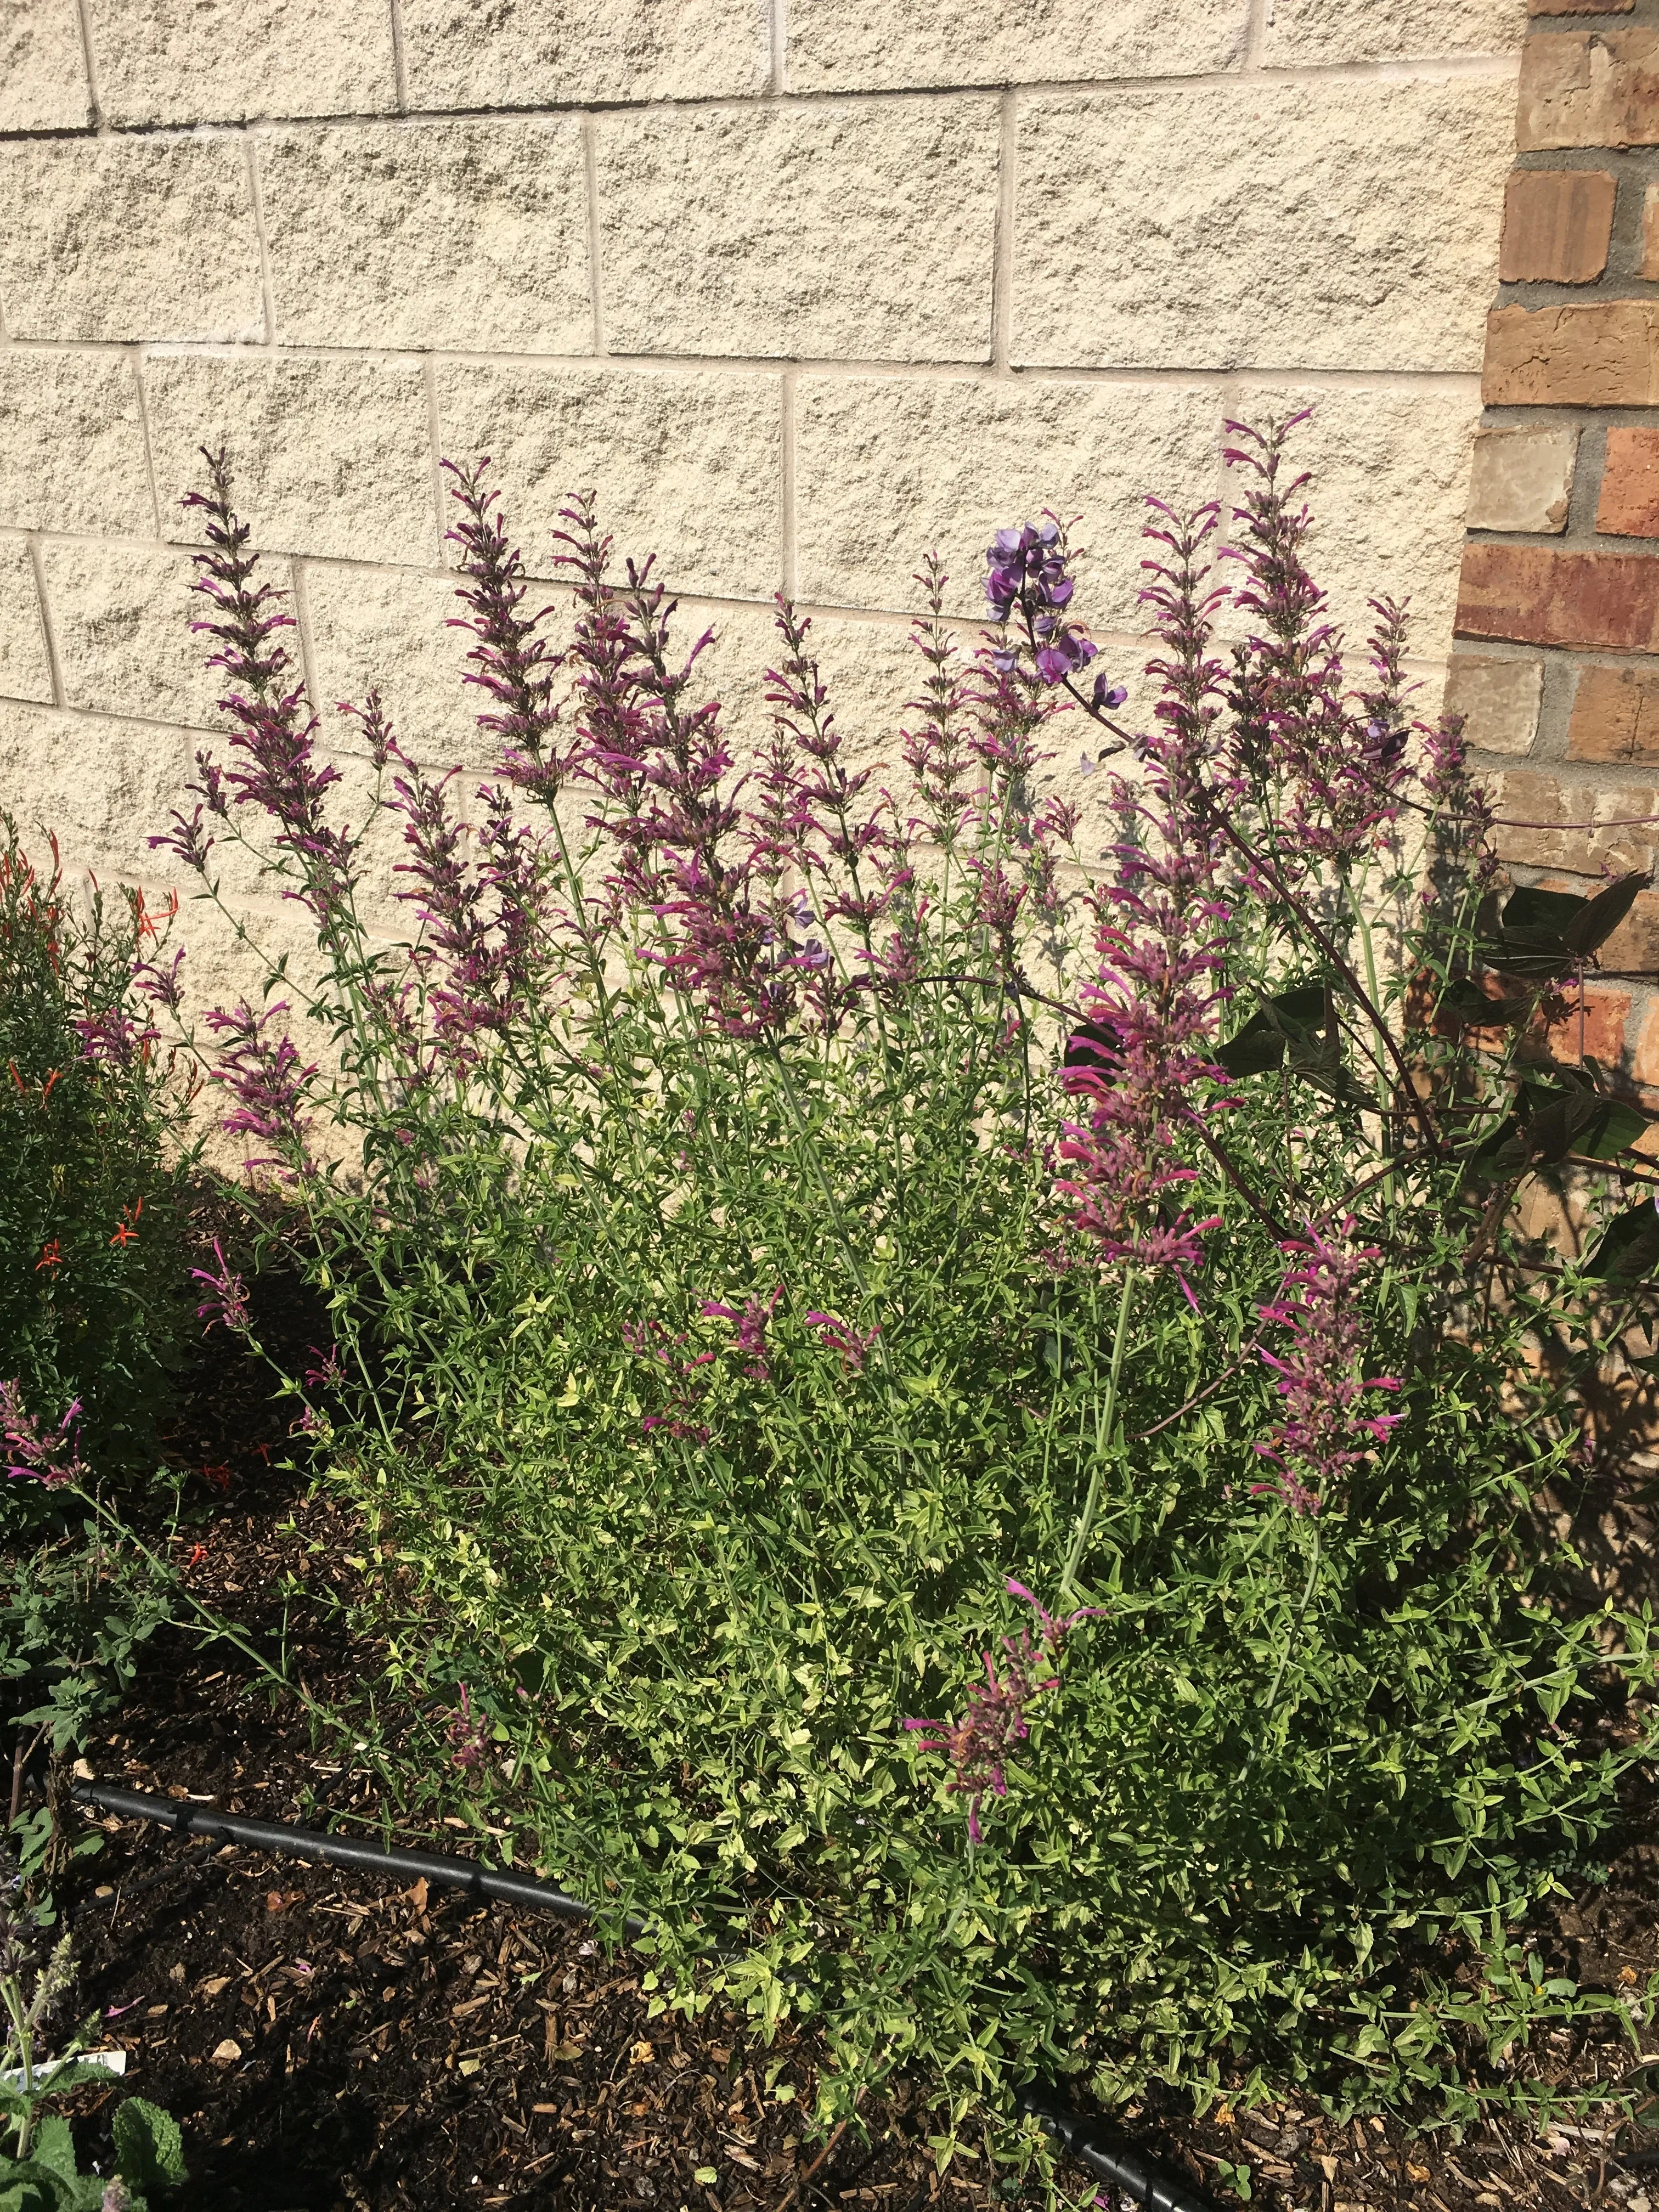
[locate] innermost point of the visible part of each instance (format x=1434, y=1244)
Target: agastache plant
x=914, y=1164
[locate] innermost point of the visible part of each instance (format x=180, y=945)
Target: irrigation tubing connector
x=185, y=1819
x=1112, y=2159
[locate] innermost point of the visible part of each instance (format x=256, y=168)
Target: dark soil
x=329, y=2041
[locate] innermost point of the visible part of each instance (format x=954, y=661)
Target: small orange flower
x=128, y=1227
x=50, y=1256
x=47, y=1090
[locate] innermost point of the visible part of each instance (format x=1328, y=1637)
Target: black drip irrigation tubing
x=1110, y=2157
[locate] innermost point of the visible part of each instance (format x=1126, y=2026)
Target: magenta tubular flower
x=40, y=1453
x=750, y=1321
x=1141, y=1065
x=686, y=1388
x=1320, y=1376
x=468, y=1735
x=226, y=1297
x=274, y=733
x=854, y=1346
x=263, y=1072
x=978, y=1745
x=512, y=663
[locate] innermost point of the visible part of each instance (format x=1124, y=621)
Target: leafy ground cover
x=393, y=2051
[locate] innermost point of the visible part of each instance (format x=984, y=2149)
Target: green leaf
x=1629, y=1249
x=1295, y=1016
x=150, y=2151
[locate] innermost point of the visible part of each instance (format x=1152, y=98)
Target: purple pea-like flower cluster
x=1026, y=573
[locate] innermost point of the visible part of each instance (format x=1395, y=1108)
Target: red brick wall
x=1557, y=665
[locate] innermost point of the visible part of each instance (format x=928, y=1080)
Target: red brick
x=1644, y=1056
x=1558, y=224
x=1593, y=1028
x=1629, y=505
x=1633, y=948
x=1602, y=356
x=1589, y=89
x=1615, y=715
x=1619, y=837
x=1537, y=595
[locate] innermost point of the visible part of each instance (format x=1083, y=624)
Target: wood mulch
x=336, y=2043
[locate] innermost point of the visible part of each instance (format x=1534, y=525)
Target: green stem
x=1085, y=1526
x=1292, y=1639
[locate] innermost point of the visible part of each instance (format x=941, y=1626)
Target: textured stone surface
x=522, y=53
x=1539, y=596
x=1345, y=224
x=1615, y=715
x=221, y=60
x=459, y=234
x=1532, y=796
x=687, y=463
x=848, y=46
x=128, y=238
x=72, y=444
x=43, y=71
x=1557, y=225
x=329, y=456
x=1628, y=504
x=121, y=616
x=1498, y=701
x=861, y=233
x=101, y=783
x=888, y=469
x=1650, y=232
x=385, y=628
x=1300, y=30
x=1390, y=492
x=1596, y=88
x=25, y=671
x=1522, y=479
x=1601, y=356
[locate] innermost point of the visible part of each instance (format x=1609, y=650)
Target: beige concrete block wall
x=805, y=288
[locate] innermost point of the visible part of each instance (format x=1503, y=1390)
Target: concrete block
x=1523, y=479
x=888, y=469
x=72, y=444
x=331, y=456
x=861, y=233
x=531, y=54
x=1389, y=493
x=688, y=465
x=457, y=235
x=25, y=671
x=857, y=45
x=1298, y=32
x=1330, y=225
x=121, y=616
x=1498, y=701
x=102, y=784
x=43, y=71
x=128, y=239
x=223, y=60
x=384, y=629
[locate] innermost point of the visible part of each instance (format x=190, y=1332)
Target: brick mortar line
x=54, y=667
x=99, y=125
x=777, y=55
x=267, y=283
x=399, y=63
x=1453, y=382
x=593, y=216
x=1002, y=236
x=1430, y=69
x=788, y=536
x=147, y=440
x=300, y=600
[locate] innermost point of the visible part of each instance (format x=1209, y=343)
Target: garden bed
x=392, y=2049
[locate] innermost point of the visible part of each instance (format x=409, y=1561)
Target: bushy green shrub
x=951, y=1381
x=92, y=1282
